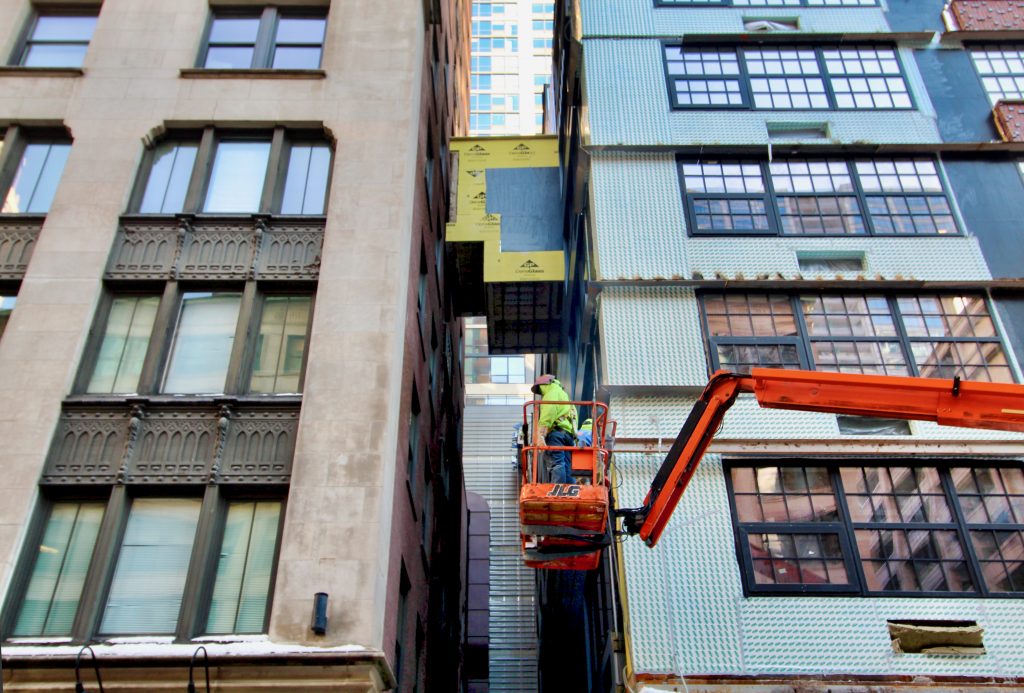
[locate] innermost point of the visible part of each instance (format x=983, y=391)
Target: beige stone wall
x=338, y=515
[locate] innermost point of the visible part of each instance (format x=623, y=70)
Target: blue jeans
x=558, y=462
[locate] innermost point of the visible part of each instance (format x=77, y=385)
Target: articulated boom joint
x=632, y=518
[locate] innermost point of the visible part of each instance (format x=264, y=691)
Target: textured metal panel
x=638, y=215
x=640, y=227
x=651, y=336
x=988, y=15
x=662, y=417
x=17, y=241
x=641, y=18
x=629, y=105
x=490, y=470
x=689, y=616
x=1009, y=119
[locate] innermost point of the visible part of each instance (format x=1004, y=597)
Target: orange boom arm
x=946, y=402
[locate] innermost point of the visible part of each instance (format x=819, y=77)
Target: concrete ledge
x=128, y=667
x=263, y=73
x=23, y=71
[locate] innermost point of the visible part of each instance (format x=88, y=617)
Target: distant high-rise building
x=510, y=66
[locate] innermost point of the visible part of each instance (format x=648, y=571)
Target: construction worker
x=585, y=436
x=557, y=425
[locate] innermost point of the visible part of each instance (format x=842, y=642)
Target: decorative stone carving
x=161, y=442
x=173, y=447
x=17, y=241
x=291, y=252
x=88, y=448
x=214, y=251
x=260, y=446
x=144, y=250
x=211, y=248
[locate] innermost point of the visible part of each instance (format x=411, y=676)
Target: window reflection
x=236, y=181
x=203, y=340
x=36, y=179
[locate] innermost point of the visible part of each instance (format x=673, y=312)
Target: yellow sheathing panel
x=532, y=266
x=473, y=223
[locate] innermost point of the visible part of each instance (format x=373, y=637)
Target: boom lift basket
x=565, y=526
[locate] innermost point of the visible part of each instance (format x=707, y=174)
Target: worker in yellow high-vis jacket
x=557, y=425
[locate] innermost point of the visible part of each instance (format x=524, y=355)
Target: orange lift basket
x=565, y=526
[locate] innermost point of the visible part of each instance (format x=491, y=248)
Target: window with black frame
x=891, y=196
x=241, y=341
x=1001, y=70
x=56, y=38
x=767, y=3
x=66, y=593
x=867, y=77
x=270, y=38
x=31, y=184
x=879, y=529
x=228, y=172
x=927, y=335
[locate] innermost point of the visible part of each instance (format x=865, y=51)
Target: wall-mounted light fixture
x=319, y=624
x=79, y=686
x=192, y=665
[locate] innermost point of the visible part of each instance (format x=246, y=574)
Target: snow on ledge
x=162, y=647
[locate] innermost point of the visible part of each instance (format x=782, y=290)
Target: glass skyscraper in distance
x=510, y=66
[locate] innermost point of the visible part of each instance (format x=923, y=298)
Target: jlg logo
x=565, y=491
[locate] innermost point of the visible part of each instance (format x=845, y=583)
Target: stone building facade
x=232, y=375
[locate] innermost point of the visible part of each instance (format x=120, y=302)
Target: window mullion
x=101, y=569
x=962, y=531
x=142, y=181
x=277, y=171
x=744, y=78
x=200, y=172
x=901, y=333
x=806, y=354
x=163, y=330
x=857, y=567
x=774, y=218
x=241, y=350
x=826, y=78
x=21, y=578
x=13, y=148
x=862, y=198
x=305, y=351
x=94, y=342
x=263, y=50
x=201, y=567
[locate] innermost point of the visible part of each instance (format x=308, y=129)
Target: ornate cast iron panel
x=259, y=446
x=17, y=240
x=88, y=448
x=159, y=442
x=216, y=248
